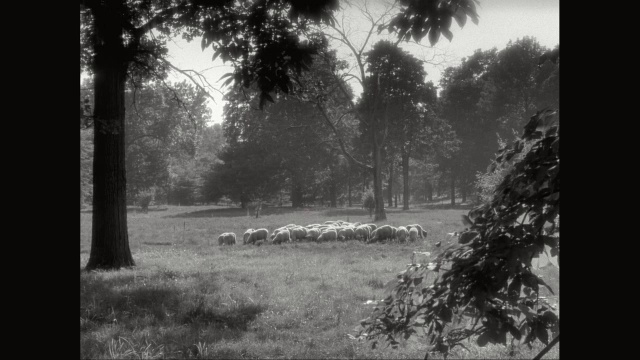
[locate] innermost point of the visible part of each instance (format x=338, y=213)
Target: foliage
x=488, y=181
x=488, y=277
x=166, y=122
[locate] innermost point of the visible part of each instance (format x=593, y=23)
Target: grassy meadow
x=190, y=298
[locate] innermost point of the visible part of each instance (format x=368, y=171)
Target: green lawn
x=188, y=298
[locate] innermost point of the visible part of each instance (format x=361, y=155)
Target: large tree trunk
x=405, y=181
x=390, y=185
x=109, y=237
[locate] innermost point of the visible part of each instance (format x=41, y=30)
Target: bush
x=488, y=182
x=145, y=198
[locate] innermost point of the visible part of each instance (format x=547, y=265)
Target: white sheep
x=421, y=233
x=246, y=235
x=260, y=234
x=228, y=238
x=402, y=233
x=313, y=234
x=346, y=234
x=413, y=234
x=298, y=233
x=282, y=236
x=382, y=233
x=328, y=235
x=362, y=232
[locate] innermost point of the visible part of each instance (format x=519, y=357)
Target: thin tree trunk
x=377, y=184
x=429, y=191
x=109, y=237
x=390, y=185
x=463, y=192
x=405, y=179
x=333, y=194
x=453, y=188
x=349, y=184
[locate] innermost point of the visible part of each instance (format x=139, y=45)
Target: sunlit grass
x=188, y=297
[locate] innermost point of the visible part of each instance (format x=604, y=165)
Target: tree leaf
x=467, y=236
x=541, y=333
x=447, y=33
x=483, y=339
x=434, y=35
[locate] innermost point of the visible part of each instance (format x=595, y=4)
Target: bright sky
x=500, y=21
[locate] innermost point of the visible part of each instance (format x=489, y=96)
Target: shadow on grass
x=133, y=209
x=233, y=212
x=346, y=212
x=448, y=206
x=157, y=243
x=165, y=298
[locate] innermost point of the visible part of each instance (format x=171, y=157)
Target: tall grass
x=188, y=299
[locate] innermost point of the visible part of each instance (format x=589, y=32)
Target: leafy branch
x=489, y=277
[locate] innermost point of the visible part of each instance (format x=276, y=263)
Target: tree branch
x=340, y=141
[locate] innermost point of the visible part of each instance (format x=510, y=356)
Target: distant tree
x=86, y=164
x=518, y=82
x=166, y=121
x=465, y=105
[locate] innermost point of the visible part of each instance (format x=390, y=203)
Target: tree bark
x=109, y=237
x=405, y=179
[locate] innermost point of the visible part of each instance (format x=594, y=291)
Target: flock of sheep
x=329, y=231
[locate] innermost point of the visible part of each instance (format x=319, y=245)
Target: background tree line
x=288, y=154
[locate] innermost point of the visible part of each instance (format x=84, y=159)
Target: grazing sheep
x=347, y=233
x=402, y=233
x=382, y=233
x=298, y=233
x=313, y=234
x=413, y=234
x=246, y=235
x=421, y=233
x=362, y=232
x=282, y=236
x=372, y=227
x=328, y=235
x=227, y=239
x=260, y=234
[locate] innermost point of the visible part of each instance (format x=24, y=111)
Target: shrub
x=496, y=172
x=145, y=198
x=368, y=201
